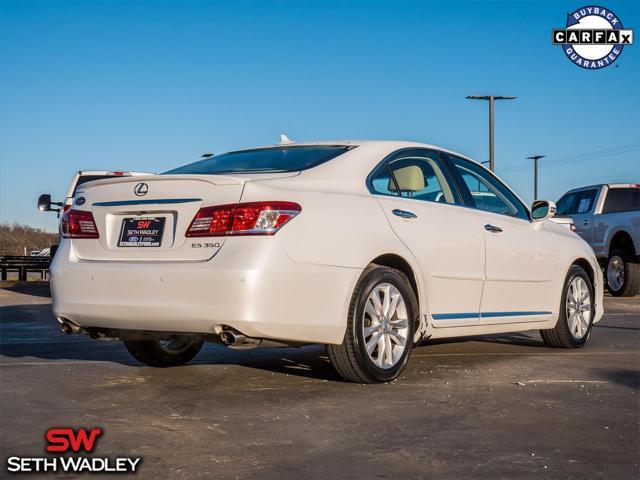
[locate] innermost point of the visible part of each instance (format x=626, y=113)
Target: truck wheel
x=380, y=327
x=623, y=276
x=577, y=309
x=172, y=352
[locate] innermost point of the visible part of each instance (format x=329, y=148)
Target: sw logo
x=66, y=441
x=63, y=439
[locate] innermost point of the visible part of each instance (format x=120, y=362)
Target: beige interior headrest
x=410, y=179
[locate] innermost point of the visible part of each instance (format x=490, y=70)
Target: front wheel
x=577, y=309
x=623, y=276
x=380, y=327
x=172, y=352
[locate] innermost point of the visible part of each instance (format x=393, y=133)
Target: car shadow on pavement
x=516, y=339
x=628, y=378
x=26, y=289
x=31, y=332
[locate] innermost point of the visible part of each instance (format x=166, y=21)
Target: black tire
x=179, y=350
x=630, y=276
x=350, y=358
x=561, y=336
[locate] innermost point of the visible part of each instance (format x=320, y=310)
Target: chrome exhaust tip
x=68, y=327
x=230, y=338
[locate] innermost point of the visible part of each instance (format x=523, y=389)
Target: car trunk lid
x=145, y=218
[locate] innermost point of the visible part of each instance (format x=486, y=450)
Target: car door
x=520, y=257
x=415, y=190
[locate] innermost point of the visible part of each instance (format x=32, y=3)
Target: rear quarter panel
x=606, y=225
x=334, y=228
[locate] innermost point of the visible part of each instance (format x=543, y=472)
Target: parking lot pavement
x=499, y=406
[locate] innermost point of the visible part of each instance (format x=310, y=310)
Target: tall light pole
x=535, y=159
x=492, y=99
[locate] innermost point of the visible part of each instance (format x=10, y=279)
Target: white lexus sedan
x=368, y=247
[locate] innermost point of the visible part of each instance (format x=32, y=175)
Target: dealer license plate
x=141, y=232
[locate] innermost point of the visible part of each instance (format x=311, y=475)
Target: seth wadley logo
x=63, y=441
x=593, y=37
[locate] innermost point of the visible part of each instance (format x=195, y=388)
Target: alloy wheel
x=615, y=273
x=578, y=306
x=385, y=325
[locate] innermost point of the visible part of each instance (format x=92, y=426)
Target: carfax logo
x=593, y=38
x=63, y=441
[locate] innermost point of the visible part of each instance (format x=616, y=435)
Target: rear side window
x=622, y=200
x=585, y=201
x=417, y=174
x=263, y=160
x=382, y=182
x=421, y=179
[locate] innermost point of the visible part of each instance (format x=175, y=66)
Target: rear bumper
x=250, y=285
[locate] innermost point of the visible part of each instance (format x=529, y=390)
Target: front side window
x=622, y=200
x=486, y=192
x=263, y=160
x=566, y=205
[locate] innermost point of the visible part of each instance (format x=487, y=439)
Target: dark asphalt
x=489, y=407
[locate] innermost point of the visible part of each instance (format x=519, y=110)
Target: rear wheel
x=380, y=327
x=577, y=309
x=172, y=352
x=623, y=276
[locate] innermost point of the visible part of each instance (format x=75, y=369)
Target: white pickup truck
x=607, y=217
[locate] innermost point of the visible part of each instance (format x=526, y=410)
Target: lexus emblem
x=141, y=189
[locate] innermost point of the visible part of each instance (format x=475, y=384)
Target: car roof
x=600, y=185
x=346, y=171
x=390, y=144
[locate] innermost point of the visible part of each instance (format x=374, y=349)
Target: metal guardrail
x=22, y=265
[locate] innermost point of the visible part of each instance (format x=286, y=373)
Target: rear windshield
x=267, y=160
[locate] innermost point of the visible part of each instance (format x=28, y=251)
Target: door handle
x=586, y=222
x=492, y=228
x=403, y=213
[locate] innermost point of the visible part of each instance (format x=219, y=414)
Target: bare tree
x=15, y=238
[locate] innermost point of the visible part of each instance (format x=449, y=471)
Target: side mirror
x=44, y=203
x=542, y=210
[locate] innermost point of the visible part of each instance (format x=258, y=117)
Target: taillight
x=66, y=207
x=254, y=218
x=78, y=224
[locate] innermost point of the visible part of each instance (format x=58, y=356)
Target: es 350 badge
x=593, y=38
